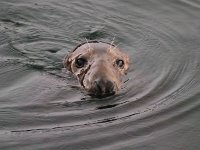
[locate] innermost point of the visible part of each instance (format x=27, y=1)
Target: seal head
x=99, y=67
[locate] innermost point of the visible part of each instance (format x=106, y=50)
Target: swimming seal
x=98, y=66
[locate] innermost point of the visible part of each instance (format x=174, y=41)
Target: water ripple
x=43, y=107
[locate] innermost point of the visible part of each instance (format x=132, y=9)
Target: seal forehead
x=97, y=48
x=94, y=46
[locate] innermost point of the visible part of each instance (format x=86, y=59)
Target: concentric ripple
x=42, y=105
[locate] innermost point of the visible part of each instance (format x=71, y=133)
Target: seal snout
x=103, y=87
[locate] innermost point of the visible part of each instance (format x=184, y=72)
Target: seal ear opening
x=67, y=62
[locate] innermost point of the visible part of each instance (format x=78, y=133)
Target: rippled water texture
x=42, y=106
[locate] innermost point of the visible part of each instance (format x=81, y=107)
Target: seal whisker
x=111, y=44
x=113, y=40
x=88, y=44
x=115, y=46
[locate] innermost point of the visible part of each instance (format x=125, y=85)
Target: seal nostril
x=109, y=87
x=98, y=86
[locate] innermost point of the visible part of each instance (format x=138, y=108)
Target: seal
x=98, y=66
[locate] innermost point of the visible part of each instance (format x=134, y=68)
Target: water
x=42, y=106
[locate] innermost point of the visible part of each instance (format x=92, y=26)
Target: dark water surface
x=41, y=107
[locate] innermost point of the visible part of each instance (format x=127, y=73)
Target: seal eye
x=80, y=62
x=120, y=63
